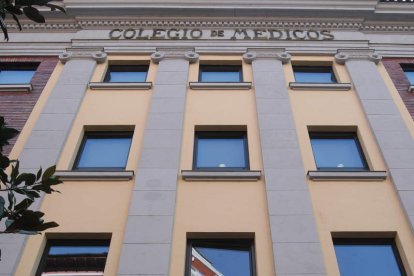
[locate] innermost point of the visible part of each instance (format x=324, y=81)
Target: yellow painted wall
x=347, y=206
x=228, y=207
x=95, y=207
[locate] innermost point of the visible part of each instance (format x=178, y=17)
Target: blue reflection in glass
x=230, y=262
x=127, y=76
x=366, y=260
x=57, y=250
x=341, y=153
x=220, y=76
x=102, y=152
x=221, y=153
x=16, y=76
x=410, y=75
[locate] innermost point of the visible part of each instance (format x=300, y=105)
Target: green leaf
x=45, y=226
x=13, y=10
x=39, y=174
x=55, y=7
x=2, y=203
x=4, y=162
x=11, y=199
x=17, y=21
x=23, y=205
x=33, y=14
x=28, y=178
x=49, y=172
x=15, y=172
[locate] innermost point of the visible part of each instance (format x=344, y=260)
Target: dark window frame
x=407, y=67
x=101, y=134
x=373, y=241
x=20, y=66
x=221, y=243
x=221, y=135
x=68, y=242
x=125, y=68
x=314, y=69
x=220, y=68
x=340, y=135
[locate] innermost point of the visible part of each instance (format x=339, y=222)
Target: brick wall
x=16, y=107
x=400, y=81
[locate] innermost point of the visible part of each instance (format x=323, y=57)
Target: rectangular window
x=74, y=257
x=222, y=73
x=223, y=150
x=17, y=73
x=126, y=73
x=220, y=258
x=337, y=151
x=409, y=72
x=377, y=257
x=314, y=74
x=104, y=151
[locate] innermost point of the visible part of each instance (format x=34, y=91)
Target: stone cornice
x=352, y=24
x=83, y=53
x=174, y=53
x=344, y=55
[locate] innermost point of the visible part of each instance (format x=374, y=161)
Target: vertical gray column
x=390, y=131
x=49, y=134
x=148, y=236
x=296, y=245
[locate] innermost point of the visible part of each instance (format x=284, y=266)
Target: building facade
x=219, y=138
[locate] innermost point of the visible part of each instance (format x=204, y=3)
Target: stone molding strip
x=266, y=53
x=26, y=88
x=320, y=86
x=120, y=85
x=95, y=175
x=83, y=53
x=347, y=176
x=220, y=85
x=191, y=175
x=344, y=55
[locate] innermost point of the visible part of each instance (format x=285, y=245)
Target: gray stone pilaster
x=148, y=235
x=388, y=127
x=49, y=134
x=296, y=246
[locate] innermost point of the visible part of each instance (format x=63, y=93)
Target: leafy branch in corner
x=15, y=8
x=21, y=190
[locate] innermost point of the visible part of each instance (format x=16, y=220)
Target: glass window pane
x=221, y=153
x=104, y=152
x=314, y=74
x=410, y=75
x=337, y=153
x=367, y=259
x=221, y=260
x=220, y=77
x=16, y=76
x=73, y=256
x=127, y=76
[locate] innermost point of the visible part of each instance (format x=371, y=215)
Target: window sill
x=220, y=85
x=191, y=175
x=347, y=175
x=26, y=87
x=95, y=175
x=320, y=86
x=411, y=89
x=120, y=85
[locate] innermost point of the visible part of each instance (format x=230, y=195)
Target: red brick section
x=16, y=107
x=393, y=66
